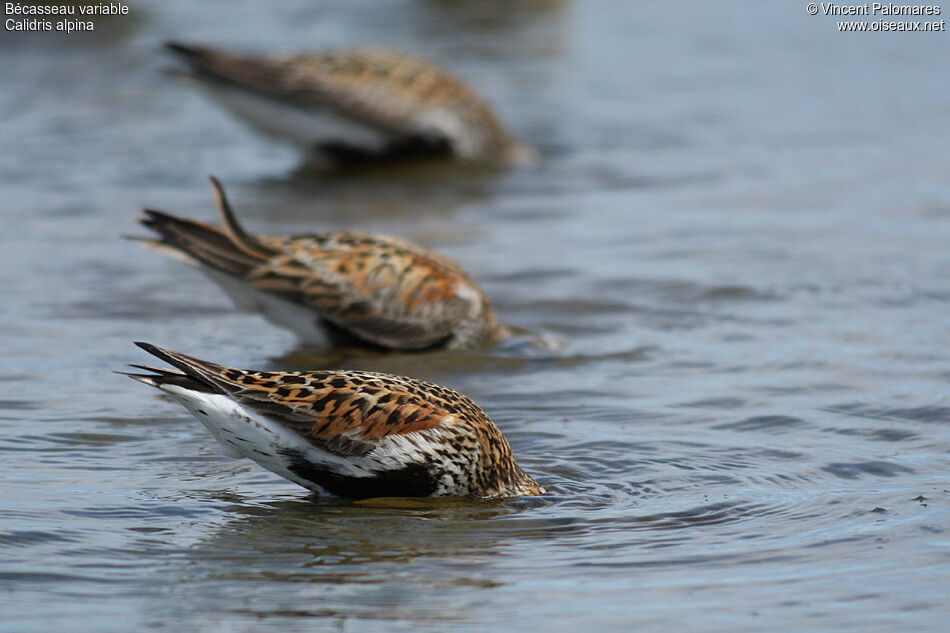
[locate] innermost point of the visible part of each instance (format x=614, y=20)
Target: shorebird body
x=347, y=433
x=358, y=103
x=356, y=287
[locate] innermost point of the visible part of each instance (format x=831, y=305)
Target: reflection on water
x=358, y=194
x=727, y=276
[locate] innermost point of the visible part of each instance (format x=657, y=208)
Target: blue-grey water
x=737, y=244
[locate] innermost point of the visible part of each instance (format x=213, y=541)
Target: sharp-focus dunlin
x=352, y=434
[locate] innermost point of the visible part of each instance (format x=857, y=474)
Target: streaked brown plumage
x=342, y=100
x=368, y=289
x=348, y=433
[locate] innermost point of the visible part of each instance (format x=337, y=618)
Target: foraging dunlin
x=350, y=101
x=348, y=433
x=347, y=287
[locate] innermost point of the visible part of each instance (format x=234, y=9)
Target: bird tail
x=240, y=71
x=191, y=373
x=228, y=249
x=161, y=377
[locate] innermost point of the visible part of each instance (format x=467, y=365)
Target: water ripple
x=845, y=470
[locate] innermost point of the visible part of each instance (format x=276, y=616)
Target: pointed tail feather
x=161, y=377
x=196, y=243
x=165, y=249
x=246, y=72
x=186, y=51
x=241, y=240
x=207, y=374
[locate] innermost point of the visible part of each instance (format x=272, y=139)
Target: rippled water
x=736, y=244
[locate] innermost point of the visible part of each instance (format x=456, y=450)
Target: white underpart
x=246, y=433
x=446, y=123
x=469, y=293
x=296, y=318
x=469, y=325
x=416, y=447
x=301, y=126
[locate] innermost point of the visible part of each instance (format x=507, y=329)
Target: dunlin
x=347, y=433
x=338, y=287
x=356, y=102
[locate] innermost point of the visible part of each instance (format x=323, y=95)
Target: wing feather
x=345, y=413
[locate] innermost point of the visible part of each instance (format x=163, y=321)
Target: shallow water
x=736, y=246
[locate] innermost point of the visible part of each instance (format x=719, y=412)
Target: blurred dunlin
x=356, y=103
x=343, y=287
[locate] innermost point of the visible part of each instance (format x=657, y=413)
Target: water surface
x=736, y=245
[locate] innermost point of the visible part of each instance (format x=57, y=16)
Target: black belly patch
x=340, y=337
x=414, y=480
x=406, y=147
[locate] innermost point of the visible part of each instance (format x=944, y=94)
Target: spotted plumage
x=352, y=103
x=348, y=433
x=354, y=287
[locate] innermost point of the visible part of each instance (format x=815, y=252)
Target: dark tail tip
x=180, y=361
x=153, y=218
x=156, y=351
x=184, y=49
x=149, y=379
x=195, y=58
